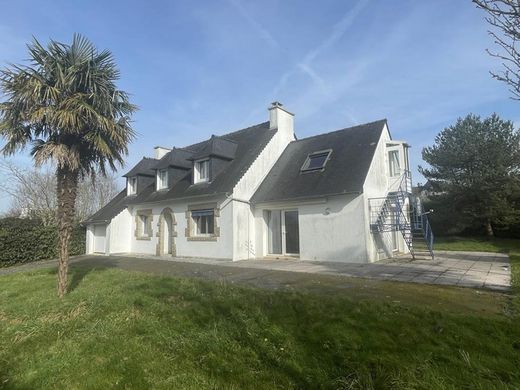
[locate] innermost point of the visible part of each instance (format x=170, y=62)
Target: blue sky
x=197, y=68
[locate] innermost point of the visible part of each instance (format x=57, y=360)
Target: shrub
x=26, y=240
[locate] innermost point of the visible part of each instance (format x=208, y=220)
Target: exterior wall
x=222, y=247
x=244, y=231
x=120, y=228
x=244, y=220
x=253, y=177
x=377, y=184
x=331, y=229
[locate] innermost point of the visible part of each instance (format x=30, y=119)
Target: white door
x=100, y=232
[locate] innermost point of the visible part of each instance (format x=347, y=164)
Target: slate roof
x=144, y=167
x=177, y=157
x=245, y=145
x=345, y=172
x=219, y=147
x=250, y=142
x=111, y=209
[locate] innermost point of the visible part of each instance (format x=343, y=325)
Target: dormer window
x=201, y=171
x=131, y=185
x=316, y=161
x=162, y=179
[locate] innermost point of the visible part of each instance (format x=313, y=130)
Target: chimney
x=281, y=119
x=160, y=152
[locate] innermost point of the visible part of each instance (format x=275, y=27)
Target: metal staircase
x=400, y=211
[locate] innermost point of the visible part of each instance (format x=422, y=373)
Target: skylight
x=316, y=161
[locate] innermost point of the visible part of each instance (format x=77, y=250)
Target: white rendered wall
x=331, y=229
x=121, y=233
x=244, y=226
x=221, y=248
x=255, y=174
x=377, y=184
x=244, y=231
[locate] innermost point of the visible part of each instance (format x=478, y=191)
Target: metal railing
x=390, y=213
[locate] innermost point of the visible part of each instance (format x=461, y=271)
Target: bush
x=26, y=240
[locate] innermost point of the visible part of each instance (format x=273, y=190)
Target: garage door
x=100, y=232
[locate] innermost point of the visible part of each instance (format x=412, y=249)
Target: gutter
x=306, y=197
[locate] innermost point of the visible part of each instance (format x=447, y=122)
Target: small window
x=146, y=225
x=201, y=171
x=132, y=185
x=143, y=222
x=393, y=160
x=162, y=179
x=204, y=222
x=316, y=161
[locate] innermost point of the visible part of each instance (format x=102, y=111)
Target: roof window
x=316, y=161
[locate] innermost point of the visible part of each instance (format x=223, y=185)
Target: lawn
x=121, y=329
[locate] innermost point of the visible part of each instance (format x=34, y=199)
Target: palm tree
x=66, y=106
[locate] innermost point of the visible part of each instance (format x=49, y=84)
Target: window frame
x=197, y=170
x=162, y=184
x=197, y=219
x=192, y=230
x=305, y=167
x=143, y=224
x=391, y=167
x=131, y=185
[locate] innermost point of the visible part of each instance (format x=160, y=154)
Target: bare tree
x=95, y=193
x=504, y=18
x=33, y=192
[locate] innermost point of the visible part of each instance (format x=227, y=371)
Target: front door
x=283, y=232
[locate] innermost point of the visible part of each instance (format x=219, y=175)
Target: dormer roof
x=145, y=167
x=178, y=158
x=217, y=147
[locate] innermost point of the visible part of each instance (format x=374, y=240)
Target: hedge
x=26, y=240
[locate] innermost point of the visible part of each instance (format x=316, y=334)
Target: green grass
x=120, y=329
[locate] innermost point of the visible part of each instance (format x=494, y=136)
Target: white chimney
x=281, y=119
x=160, y=152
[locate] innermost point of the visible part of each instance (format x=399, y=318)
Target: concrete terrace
x=463, y=269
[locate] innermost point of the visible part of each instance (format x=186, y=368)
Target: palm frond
x=67, y=105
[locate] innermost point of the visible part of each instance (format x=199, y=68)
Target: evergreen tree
x=474, y=170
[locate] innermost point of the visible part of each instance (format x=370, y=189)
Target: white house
x=259, y=192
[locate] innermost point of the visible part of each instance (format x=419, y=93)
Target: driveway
x=463, y=269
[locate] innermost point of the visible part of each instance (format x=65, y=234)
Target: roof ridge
x=244, y=129
x=337, y=131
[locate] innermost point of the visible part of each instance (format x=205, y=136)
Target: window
x=132, y=185
x=162, y=179
x=204, y=222
x=316, y=161
x=393, y=160
x=143, y=224
x=201, y=171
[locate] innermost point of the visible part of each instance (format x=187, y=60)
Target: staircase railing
x=389, y=213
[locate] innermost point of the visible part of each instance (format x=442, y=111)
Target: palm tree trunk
x=67, y=185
